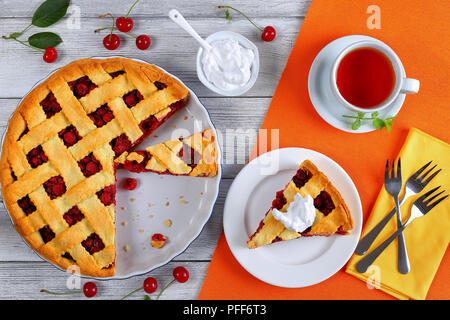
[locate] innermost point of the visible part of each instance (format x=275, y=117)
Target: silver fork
x=421, y=207
x=393, y=186
x=414, y=185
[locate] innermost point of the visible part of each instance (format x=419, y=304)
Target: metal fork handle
x=402, y=254
x=365, y=243
x=367, y=261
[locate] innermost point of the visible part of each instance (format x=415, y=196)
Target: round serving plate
x=187, y=202
x=295, y=263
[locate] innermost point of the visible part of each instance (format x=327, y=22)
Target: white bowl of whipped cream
x=231, y=66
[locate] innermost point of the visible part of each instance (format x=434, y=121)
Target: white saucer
x=322, y=98
x=295, y=263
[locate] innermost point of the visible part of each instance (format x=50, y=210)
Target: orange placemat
x=416, y=30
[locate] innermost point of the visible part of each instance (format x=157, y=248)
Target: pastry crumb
x=126, y=248
x=158, y=240
x=133, y=199
x=168, y=223
x=123, y=208
x=185, y=117
x=167, y=203
x=201, y=193
x=150, y=204
x=141, y=230
x=181, y=197
x=124, y=223
x=183, y=202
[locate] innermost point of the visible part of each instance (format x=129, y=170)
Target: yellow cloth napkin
x=426, y=238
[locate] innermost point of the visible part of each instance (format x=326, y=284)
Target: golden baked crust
x=336, y=220
x=37, y=131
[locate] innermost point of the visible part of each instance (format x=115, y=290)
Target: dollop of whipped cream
x=228, y=64
x=300, y=214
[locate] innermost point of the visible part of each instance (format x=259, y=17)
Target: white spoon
x=176, y=17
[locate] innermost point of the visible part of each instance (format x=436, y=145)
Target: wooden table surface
x=22, y=272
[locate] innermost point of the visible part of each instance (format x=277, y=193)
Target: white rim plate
x=295, y=263
x=187, y=201
x=323, y=99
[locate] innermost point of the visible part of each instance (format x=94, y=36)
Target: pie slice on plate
x=57, y=166
x=332, y=214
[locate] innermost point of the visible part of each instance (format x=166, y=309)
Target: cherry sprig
x=268, y=33
x=123, y=24
x=150, y=284
x=89, y=290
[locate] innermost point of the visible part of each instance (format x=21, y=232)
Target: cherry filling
x=55, y=187
x=101, y=116
x=135, y=166
x=132, y=98
x=73, y=216
x=50, y=105
x=81, y=86
x=120, y=144
x=27, y=205
x=324, y=203
x=160, y=85
x=301, y=177
x=93, y=243
x=107, y=195
x=116, y=73
x=279, y=201
x=36, y=157
x=47, y=234
x=69, y=136
x=190, y=156
x=89, y=165
x=67, y=256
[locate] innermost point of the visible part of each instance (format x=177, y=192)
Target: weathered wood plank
x=24, y=280
x=89, y=8
x=171, y=48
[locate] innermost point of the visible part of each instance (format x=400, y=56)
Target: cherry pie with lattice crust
x=63, y=147
x=332, y=214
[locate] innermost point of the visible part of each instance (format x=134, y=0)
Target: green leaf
x=43, y=40
x=50, y=12
x=356, y=124
x=378, y=123
x=228, y=15
x=388, y=126
x=15, y=35
x=147, y=297
x=361, y=114
x=375, y=114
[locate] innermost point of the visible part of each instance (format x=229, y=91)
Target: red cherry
x=111, y=42
x=90, y=289
x=124, y=24
x=268, y=33
x=181, y=274
x=50, y=55
x=150, y=285
x=143, y=42
x=130, y=184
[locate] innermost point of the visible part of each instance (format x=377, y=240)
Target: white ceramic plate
x=323, y=99
x=187, y=201
x=295, y=263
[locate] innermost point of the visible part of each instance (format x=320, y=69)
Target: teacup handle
x=410, y=86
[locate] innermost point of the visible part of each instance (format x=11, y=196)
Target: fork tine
x=424, y=183
x=427, y=201
x=434, y=204
x=416, y=174
x=393, y=169
x=399, y=169
x=386, y=171
x=425, y=195
x=422, y=177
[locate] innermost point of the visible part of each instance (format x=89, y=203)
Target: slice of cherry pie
x=332, y=214
x=57, y=168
